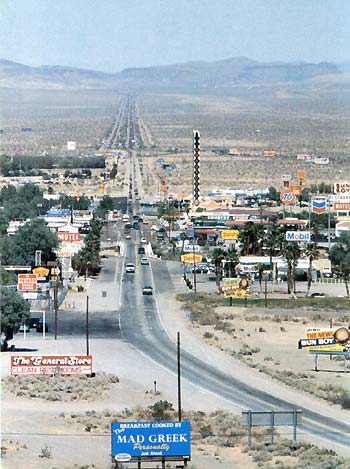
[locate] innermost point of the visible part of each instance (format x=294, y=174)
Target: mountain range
x=191, y=75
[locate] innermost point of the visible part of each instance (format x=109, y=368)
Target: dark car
x=34, y=322
x=40, y=327
x=141, y=250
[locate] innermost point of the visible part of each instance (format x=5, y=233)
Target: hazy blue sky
x=114, y=34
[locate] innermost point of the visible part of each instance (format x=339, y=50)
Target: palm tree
x=273, y=242
x=233, y=259
x=183, y=237
x=311, y=253
x=218, y=255
x=252, y=237
x=291, y=251
x=340, y=257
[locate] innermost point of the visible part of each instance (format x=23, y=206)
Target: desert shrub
x=161, y=410
x=45, y=452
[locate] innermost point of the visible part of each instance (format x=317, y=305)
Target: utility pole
x=55, y=305
x=178, y=378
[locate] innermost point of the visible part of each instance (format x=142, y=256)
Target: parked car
x=144, y=261
x=130, y=268
x=147, y=290
x=40, y=327
x=34, y=322
x=24, y=328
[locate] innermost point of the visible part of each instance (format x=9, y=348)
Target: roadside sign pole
x=87, y=326
x=194, y=269
x=179, y=378
x=265, y=290
x=55, y=303
x=294, y=425
x=329, y=224
x=249, y=428
x=272, y=427
x=44, y=323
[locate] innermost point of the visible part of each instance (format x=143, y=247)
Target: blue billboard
x=151, y=439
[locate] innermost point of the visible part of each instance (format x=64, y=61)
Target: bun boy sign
x=151, y=440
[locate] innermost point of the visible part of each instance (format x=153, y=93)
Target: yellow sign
x=235, y=288
x=229, y=234
x=41, y=272
x=102, y=188
x=326, y=340
x=191, y=258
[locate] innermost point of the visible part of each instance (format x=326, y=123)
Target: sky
x=111, y=35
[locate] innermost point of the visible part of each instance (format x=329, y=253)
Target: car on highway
x=141, y=250
x=23, y=328
x=130, y=268
x=143, y=240
x=147, y=290
x=144, y=261
x=127, y=236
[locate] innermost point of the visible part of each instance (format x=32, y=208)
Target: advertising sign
x=326, y=340
x=318, y=204
x=41, y=273
x=30, y=295
x=287, y=197
x=342, y=187
x=191, y=248
x=296, y=190
x=229, y=234
x=68, y=237
x=300, y=236
x=51, y=364
x=27, y=282
x=286, y=177
x=150, y=439
x=191, y=258
x=235, y=288
x=269, y=153
x=341, y=206
x=301, y=173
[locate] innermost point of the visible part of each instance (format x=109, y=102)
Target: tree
x=14, y=312
x=291, y=251
x=273, y=242
x=31, y=237
x=105, y=206
x=233, y=259
x=340, y=257
x=183, y=237
x=218, y=255
x=252, y=238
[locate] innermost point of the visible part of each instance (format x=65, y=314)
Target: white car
x=130, y=268
x=143, y=240
x=144, y=261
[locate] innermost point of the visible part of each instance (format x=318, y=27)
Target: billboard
x=318, y=204
x=235, y=288
x=191, y=258
x=301, y=173
x=51, y=364
x=27, y=282
x=229, y=234
x=71, y=146
x=326, y=340
x=342, y=187
x=150, y=439
x=287, y=197
x=269, y=153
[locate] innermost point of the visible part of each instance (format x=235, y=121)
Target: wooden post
x=87, y=326
x=249, y=428
x=55, y=305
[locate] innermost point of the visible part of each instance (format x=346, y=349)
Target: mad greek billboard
x=151, y=439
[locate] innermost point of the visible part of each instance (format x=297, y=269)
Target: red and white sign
x=27, y=282
x=296, y=190
x=287, y=197
x=341, y=206
x=68, y=237
x=51, y=364
x=342, y=187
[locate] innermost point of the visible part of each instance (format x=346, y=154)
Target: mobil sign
x=150, y=439
x=300, y=236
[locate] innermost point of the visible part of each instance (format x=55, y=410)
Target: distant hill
x=192, y=75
